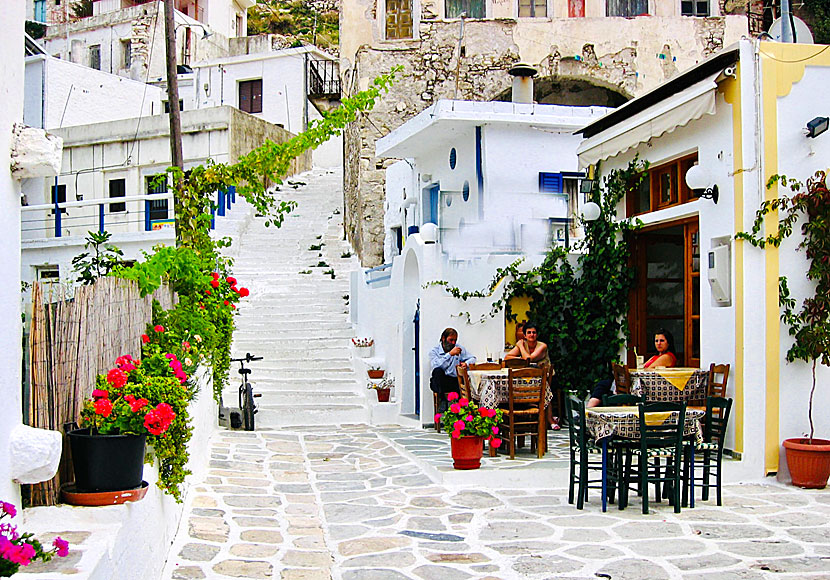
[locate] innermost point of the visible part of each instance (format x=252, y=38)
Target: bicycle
x=246, y=392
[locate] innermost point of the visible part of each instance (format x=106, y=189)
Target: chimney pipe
x=522, y=74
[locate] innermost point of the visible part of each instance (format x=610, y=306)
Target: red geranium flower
x=243, y=292
x=208, y=292
x=231, y=280
x=145, y=339
x=117, y=378
x=100, y=394
x=226, y=302
x=452, y=396
x=215, y=275
x=103, y=407
x=158, y=328
x=214, y=283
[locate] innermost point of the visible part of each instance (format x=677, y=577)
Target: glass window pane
x=664, y=260
x=696, y=295
x=664, y=299
x=696, y=338
x=695, y=241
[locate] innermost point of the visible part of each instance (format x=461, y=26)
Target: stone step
x=283, y=415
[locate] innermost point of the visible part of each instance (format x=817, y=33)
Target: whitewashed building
x=481, y=185
x=742, y=116
x=283, y=86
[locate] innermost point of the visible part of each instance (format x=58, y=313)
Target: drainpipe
x=787, y=25
x=462, y=16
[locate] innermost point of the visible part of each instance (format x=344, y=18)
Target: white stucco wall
x=11, y=64
x=63, y=94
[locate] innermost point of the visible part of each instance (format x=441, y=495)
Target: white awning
x=664, y=117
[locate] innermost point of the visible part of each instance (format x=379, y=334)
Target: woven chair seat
x=706, y=447
x=655, y=451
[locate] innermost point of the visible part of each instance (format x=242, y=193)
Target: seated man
x=443, y=360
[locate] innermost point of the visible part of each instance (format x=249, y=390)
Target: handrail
x=97, y=201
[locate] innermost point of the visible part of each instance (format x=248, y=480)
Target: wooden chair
x=581, y=449
x=714, y=436
x=657, y=441
x=557, y=402
x=715, y=388
x=463, y=382
x=622, y=400
x=435, y=411
x=485, y=366
x=515, y=363
x=622, y=378
x=525, y=412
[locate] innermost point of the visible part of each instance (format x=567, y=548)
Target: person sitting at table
x=530, y=348
x=663, y=342
x=443, y=359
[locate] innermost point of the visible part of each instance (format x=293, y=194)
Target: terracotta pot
x=376, y=374
x=383, y=395
x=466, y=452
x=809, y=463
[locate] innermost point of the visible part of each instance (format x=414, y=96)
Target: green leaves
x=103, y=258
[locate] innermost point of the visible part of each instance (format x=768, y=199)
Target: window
x=48, y=274
x=40, y=10
x=127, y=52
x=95, y=56
x=250, y=96
x=58, y=196
x=473, y=8
x=398, y=19
x=626, y=8
x=157, y=207
x=118, y=188
x=694, y=7
x=240, y=29
x=664, y=186
x=167, y=106
x=533, y=8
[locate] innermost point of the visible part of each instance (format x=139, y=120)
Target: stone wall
x=248, y=132
x=627, y=56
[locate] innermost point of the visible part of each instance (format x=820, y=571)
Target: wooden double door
x=666, y=294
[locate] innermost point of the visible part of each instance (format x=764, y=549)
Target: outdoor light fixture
x=586, y=186
x=699, y=181
x=816, y=127
x=205, y=32
x=590, y=211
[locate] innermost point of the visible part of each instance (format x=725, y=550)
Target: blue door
x=417, y=322
x=431, y=209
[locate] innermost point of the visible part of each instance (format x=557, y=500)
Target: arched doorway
x=565, y=90
x=410, y=392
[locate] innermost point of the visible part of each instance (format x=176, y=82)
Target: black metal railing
x=323, y=78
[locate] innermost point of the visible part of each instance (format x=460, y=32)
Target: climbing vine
x=580, y=309
x=810, y=325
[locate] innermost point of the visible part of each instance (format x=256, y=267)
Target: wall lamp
x=816, y=127
x=590, y=211
x=205, y=32
x=699, y=181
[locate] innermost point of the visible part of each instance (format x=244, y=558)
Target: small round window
x=465, y=192
x=452, y=158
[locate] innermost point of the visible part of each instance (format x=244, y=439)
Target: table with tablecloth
x=491, y=388
x=675, y=385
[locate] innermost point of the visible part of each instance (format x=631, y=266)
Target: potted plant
x=808, y=458
x=364, y=346
x=376, y=372
x=135, y=402
x=468, y=426
x=383, y=388
x=21, y=548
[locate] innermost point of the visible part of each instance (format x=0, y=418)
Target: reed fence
x=75, y=334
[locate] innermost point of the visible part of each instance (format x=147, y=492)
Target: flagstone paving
x=357, y=502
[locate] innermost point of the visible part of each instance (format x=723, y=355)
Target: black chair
x=622, y=400
x=581, y=448
x=657, y=441
x=710, y=450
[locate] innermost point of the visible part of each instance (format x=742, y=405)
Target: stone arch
x=573, y=90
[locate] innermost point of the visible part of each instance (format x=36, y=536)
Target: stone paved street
x=360, y=503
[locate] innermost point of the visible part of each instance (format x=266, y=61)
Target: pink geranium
x=452, y=396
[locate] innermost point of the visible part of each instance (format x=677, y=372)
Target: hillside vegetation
x=304, y=21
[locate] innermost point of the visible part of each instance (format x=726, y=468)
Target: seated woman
x=663, y=342
x=530, y=348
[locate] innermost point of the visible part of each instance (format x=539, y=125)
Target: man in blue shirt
x=443, y=359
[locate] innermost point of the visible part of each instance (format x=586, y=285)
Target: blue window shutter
x=550, y=182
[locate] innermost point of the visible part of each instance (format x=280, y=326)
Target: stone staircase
x=297, y=315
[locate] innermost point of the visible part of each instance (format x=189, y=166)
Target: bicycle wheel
x=248, y=407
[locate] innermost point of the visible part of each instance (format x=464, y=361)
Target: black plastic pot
x=107, y=462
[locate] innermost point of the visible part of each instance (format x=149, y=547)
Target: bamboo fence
x=75, y=334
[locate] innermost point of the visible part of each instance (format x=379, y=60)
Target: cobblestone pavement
x=355, y=502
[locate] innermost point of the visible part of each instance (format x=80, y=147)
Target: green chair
x=622, y=400
x=711, y=451
x=581, y=449
x=664, y=440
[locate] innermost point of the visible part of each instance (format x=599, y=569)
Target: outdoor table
x=674, y=385
x=490, y=387
x=603, y=423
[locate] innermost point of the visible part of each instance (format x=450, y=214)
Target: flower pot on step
x=106, y=462
x=466, y=452
x=383, y=395
x=376, y=373
x=809, y=462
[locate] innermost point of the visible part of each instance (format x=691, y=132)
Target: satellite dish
x=802, y=32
